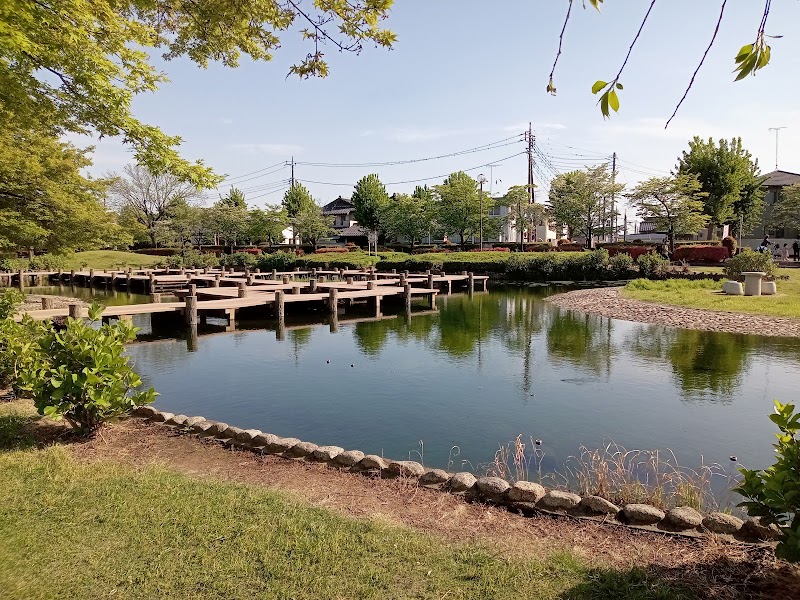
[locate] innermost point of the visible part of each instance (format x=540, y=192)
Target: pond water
x=109, y=297
x=478, y=373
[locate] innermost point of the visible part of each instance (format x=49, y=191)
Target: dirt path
x=721, y=569
x=608, y=302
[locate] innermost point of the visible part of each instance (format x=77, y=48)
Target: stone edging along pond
x=522, y=496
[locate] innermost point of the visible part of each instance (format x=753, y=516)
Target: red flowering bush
x=633, y=251
x=713, y=254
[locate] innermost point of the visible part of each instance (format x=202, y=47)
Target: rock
x=462, y=482
x=300, y=450
x=217, y=428
x=493, y=488
x=202, y=426
x=405, y=468
x=246, y=436
x=596, y=504
x=526, y=491
x=434, y=477
x=327, y=453
x=756, y=529
x=161, y=417
x=643, y=514
x=231, y=432
x=349, y=458
x=144, y=411
x=264, y=440
x=178, y=420
x=281, y=445
x=718, y=522
x=373, y=461
x=684, y=517
x=556, y=499
x=192, y=420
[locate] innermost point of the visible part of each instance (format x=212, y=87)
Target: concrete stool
x=768, y=288
x=732, y=288
x=752, y=282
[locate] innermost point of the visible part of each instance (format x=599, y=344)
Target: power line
x=282, y=164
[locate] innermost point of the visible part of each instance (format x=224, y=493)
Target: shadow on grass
x=21, y=428
x=634, y=584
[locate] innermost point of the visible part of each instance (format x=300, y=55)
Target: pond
x=107, y=296
x=478, y=373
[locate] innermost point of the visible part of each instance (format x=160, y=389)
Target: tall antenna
x=777, y=131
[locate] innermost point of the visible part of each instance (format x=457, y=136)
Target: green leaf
x=744, y=52
x=619, y=86
x=613, y=101
x=598, y=85
x=604, y=105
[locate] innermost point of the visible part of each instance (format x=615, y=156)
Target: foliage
x=190, y=259
x=774, y=494
x=82, y=373
x=674, y=204
x=312, y=225
x=18, y=348
x=296, y=198
x=730, y=179
x=748, y=260
x=83, y=77
x=729, y=242
x=45, y=201
x=280, y=261
x=369, y=196
x=268, y=224
x=713, y=254
x=229, y=217
x=10, y=301
x=786, y=211
x=238, y=259
x=620, y=265
x=633, y=251
x=652, y=265
x=11, y=265
x=332, y=250
x=409, y=218
x=48, y=262
x=458, y=206
x=581, y=202
x=524, y=214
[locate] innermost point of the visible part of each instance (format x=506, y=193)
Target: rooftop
x=781, y=179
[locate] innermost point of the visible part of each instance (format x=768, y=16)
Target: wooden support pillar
x=155, y=298
x=296, y=289
x=334, y=323
x=405, y=274
x=394, y=271
x=205, y=270
x=312, y=285
x=407, y=297
x=279, y=306
x=60, y=274
x=322, y=279
x=432, y=299
x=215, y=283
x=296, y=269
x=371, y=285
x=246, y=272
x=75, y=311
x=341, y=274
x=274, y=274
x=350, y=281
x=430, y=280
x=47, y=302
x=313, y=272
x=286, y=279
x=190, y=312
x=21, y=279
x=449, y=287
x=485, y=283
x=402, y=282
x=251, y=279
x=72, y=276
x=242, y=292
x=471, y=283
x=377, y=306
x=91, y=277
x=258, y=270
x=192, y=339
x=280, y=331
x=333, y=301
x=152, y=281
x=373, y=276
x=183, y=270
x=192, y=289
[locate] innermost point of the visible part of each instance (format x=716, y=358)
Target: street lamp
x=481, y=181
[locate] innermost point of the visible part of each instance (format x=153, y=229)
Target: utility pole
x=481, y=181
x=530, y=139
x=292, y=180
x=625, y=228
x=777, y=131
x=614, y=217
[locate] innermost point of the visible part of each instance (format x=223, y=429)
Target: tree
x=730, y=178
x=786, y=212
x=312, y=225
x=149, y=198
x=581, y=202
x=458, y=206
x=675, y=204
x=295, y=200
x=268, y=224
x=45, y=202
x=76, y=65
x=408, y=217
x=230, y=217
x=524, y=214
x=368, y=197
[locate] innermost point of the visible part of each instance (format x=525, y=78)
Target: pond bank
x=608, y=302
x=34, y=302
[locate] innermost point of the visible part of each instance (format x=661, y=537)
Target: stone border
x=525, y=497
x=608, y=302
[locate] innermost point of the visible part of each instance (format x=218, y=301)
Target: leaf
x=744, y=53
x=598, y=85
x=613, y=100
x=604, y=104
x=619, y=86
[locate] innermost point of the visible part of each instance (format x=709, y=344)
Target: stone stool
x=768, y=288
x=732, y=288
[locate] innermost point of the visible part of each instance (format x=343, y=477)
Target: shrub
x=238, y=259
x=564, y=241
x=280, y=261
x=747, y=260
x=631, y=250
x=18, y=350
x=255, y=251
x=82, y=373
x=652, y=265
x=199, y=260
x=47, y=262
x=570, y=247
x=11, y=265
x=10, y=301
x=713, y=254
x=774, y=494
x=620, y=265
x=496, y=249
x=729, y=242
x=539, y=247
x=158, y=251
x=334, y=250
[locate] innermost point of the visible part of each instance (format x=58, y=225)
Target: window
x=495, y=211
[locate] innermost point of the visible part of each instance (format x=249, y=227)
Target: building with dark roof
x=773, y=186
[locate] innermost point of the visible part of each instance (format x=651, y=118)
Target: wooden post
x=471, y=283
x=205, y=270
x=60, y=274
x=192, y=339
x=192, y=289
x=280, y=307
x=280, y=331
x=394, y=271
x=341, y=274
x=313, y=271
x=373, y=276
x=72, y=276
x=183, y=270
x=215, y=283
x=155, y=298
x=349, y=281
x=430, y=280
x=152, y=279
x=295, y=289
x=334, y=323
x=75, y=311
x=274, y=274
x=377, y=306
x=371, y=285
x=258, y=270
x=333, y=301
x=312, y=285
x=21, y=279
x=402, y=282
x=464, y=273
x=286, y=279
x=322, y=279
x=246, y=272
x=407, y=297
x=405, y=273
x=251, y=279
x=242, y=285
x=190, y=312
x=47, y=303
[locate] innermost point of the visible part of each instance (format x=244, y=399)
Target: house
x=648, y=232
x=347, y=228
x=773, y=185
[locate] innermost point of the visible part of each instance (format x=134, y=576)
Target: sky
x=468, y=74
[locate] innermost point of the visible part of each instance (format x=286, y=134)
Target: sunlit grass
x=110, y=259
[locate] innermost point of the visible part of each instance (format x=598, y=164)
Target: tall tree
x=230, y=217
x=675, y=204
x=76, y=65
x=312, y=225
x=45, y=202
x=268, y=224
x=408, y=217
x=786, y=212
x=522, y=213
x=581, y=201
x=368, y=197
x=731, y=179
x=149, y=198
x=296, y=200
x=459, y=206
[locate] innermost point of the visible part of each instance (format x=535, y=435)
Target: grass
x=110, y=259
x=75, y=529
x=706, y=294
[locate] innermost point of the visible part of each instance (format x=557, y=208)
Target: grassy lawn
x=71, y=529
x=707, y=294
x=110, y=259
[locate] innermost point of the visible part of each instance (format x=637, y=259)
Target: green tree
x=581, y=201
x=230, y=218
x=148, y=198
x=730, y=178
x=408, y=217
x=786, y=212
x=523, y=214
x=458, y=206
x=45, y=202
x=312, y=225
x=76, y=65
x=296, y=200
x=674, y=203
x=368, y=197
x=268, y=224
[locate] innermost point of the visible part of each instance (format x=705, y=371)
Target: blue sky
x=465, y=73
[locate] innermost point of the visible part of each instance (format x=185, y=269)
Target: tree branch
x=633, y=43
x=550, y=87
